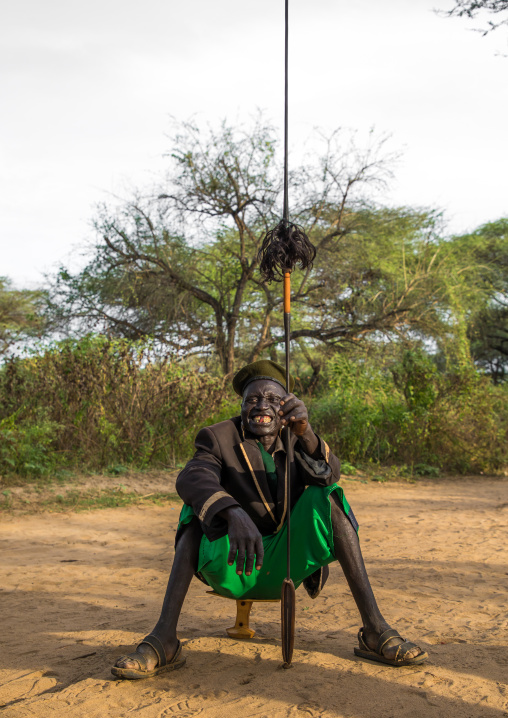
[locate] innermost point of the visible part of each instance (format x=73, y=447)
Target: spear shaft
x=282, y=249
x=285, y=208
x=288, y=596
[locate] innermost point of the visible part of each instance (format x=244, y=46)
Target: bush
x=99, y=402
x=407, y=412
x=25, y=447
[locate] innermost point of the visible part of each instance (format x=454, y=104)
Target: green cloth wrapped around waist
x=311, y=548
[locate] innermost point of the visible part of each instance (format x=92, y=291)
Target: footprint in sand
x=182, y=709
x=312, y=709
x=28, y=686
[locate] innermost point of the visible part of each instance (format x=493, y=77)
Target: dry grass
x=86, y=492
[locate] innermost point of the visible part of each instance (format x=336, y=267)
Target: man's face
x=260, y=407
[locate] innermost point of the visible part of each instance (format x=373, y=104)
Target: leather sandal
x=162, y=666
x=400, y=657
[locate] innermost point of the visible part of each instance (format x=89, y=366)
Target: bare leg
x=182, y=571
x=347, y=549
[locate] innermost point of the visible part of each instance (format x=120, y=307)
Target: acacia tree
x=180, y=266
x=487, y=312
x=20, y=314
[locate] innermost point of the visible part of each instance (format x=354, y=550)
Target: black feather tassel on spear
x=283, y=248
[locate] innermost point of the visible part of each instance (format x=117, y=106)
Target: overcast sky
x=87, y=91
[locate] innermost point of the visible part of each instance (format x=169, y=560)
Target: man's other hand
x=244, y=539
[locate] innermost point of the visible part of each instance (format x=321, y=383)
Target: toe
x=144, y=658
x=411, y=653
x=125, y=662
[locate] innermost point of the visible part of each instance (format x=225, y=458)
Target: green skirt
x=311, y=548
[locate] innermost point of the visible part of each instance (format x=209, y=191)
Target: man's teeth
x=262, y=419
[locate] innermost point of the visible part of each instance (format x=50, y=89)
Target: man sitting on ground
x=232, y=529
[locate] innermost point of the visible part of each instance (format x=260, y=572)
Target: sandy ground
x=80, y=589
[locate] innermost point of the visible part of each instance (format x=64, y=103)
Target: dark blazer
x=227, y=470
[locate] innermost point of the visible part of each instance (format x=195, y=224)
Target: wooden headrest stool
x=241, y=629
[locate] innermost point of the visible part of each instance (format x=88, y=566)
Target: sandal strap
x=385, y=637
x=361, y=641
x=157, y=646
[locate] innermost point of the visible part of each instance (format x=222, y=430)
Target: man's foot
x=387, y=646
x=151, y=657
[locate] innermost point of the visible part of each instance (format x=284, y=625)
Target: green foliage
x=99, y=403
x=405, y=411
x=26, y=446
x=426, y=470
x=347, y=469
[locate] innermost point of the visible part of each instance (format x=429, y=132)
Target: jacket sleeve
x=322, y=471
x=198, y=484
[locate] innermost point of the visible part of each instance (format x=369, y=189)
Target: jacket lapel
x=254, y=461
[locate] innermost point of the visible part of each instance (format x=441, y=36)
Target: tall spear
x=282, y=249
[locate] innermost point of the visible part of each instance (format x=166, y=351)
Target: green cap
x=262, y=369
